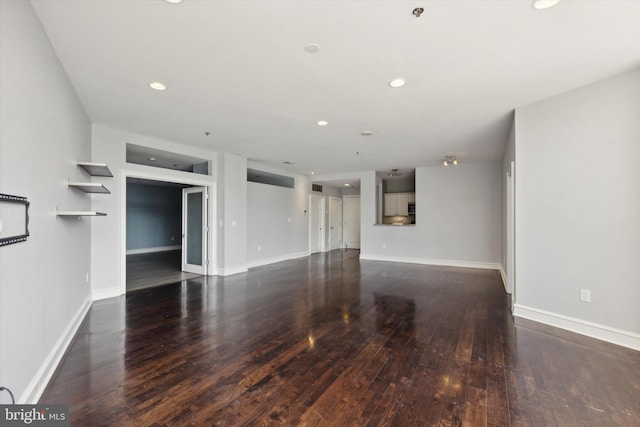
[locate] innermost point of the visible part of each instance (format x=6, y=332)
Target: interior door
x=194, y=230
x=352, y=222
x=335, y=223
x=316, y=224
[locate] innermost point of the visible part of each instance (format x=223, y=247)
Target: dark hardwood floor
x=328, y=340
x=155, y=269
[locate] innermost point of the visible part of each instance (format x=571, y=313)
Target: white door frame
x=202, y=267
x=332, y=244
x=321, y=209
x=195, y=180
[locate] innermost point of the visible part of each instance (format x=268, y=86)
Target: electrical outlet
x=585, y=295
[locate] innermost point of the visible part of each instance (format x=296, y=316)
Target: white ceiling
x=238, y=69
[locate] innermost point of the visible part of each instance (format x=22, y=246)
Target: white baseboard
x=106, y=293
x=427, y=261
x=273, y=260
x=583, y=327
x=231, y=271
x=39, y=382
x=151, y=250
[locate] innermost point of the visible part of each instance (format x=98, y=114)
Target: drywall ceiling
x=239, y=70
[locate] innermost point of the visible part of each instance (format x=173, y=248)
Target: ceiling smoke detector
x=312, y=48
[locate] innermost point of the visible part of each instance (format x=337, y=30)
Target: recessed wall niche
x=148, y=156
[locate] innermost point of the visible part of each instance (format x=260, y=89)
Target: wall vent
x=316, y=188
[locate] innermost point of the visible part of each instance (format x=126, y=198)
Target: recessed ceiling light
x=173, y=1
x=322, y=122
x=312, y=48
x=366, y=133
x=544, y=4
x=313, y=173
x=157, y=86
x=347, y=185
x=152, y=159
x=397, y=82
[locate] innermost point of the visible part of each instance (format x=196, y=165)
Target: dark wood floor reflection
x=329, y=340
x=154, y=269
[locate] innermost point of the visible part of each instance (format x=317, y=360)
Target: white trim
x=583, y=327
x=427, y=261
x=39, y=382
x=155, y=249
x=273, y=260
x=105, y=293
x=231, y=271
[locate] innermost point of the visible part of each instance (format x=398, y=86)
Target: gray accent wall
x=578, y=204
x=154, y=216
x=44, y=289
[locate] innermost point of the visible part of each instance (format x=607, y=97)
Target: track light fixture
x=450, y=160
x=394, y=172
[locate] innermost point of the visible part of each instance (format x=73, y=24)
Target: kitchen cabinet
x=397, y=204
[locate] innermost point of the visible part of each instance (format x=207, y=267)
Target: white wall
x=108, y=233
x=269, y=209
x=233, y=201
x=578, y=209
x=458, y=219
x=44, y=131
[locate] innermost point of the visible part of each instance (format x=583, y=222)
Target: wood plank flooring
x=329, y=340
x=155, y=269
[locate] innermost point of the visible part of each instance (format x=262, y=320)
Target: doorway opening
x=158, y=252
x=166, y=233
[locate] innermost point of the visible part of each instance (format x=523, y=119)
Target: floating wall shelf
x=96, y=169
x=80, y=213
x=90, y=187
x=93, y=169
